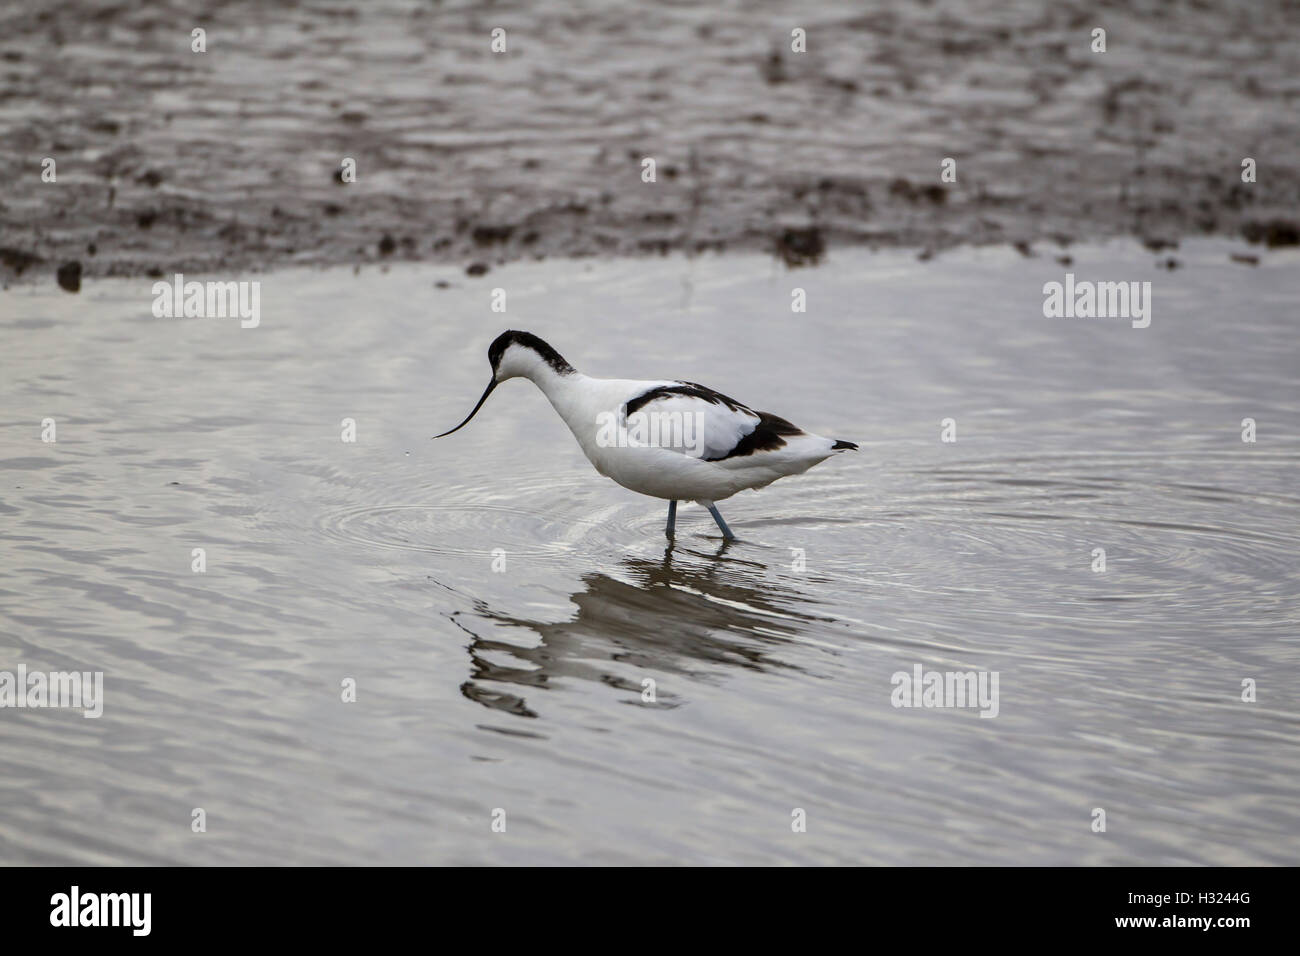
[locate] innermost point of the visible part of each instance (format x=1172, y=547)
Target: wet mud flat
x=229, y=160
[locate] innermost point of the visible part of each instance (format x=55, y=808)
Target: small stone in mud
x=1024, y=248
x=1244, y=259
x=18, y=260
x=476, y=269
x=332, y=209
x=1065, y=260
x=1155, y=245
x=91, y=249
x=903, y=189
x=387, y=245
x=151, y=178
x=154, y=272
x=773, y=68
x=1170, y=263
x=1274, y=233
x=442, y=284
x=487, y=235
x=801, y=246
x=69, y=276
x=146, y=219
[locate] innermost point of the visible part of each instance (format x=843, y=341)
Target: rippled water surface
x=521, y=689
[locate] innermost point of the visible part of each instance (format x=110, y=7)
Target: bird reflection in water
x=658, y=617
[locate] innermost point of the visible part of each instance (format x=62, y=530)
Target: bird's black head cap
x=511, y=337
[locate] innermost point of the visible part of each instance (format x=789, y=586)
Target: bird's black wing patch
x=684, y=388
x=766, y=435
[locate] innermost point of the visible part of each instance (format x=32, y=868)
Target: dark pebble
x=801, y=246
x=905, y=190
x=69, y=276
x=477, y=269
x=487, y=235
x=387, y=245
x=1274, y=233
x=18, y=260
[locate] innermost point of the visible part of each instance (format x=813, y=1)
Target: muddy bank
x=228, y=160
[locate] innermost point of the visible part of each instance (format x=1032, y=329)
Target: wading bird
x=674, y=440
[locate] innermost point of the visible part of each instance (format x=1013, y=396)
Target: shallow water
x=521, y=689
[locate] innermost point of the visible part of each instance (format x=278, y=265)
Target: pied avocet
x=673, y=440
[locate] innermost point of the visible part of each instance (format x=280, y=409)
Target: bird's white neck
x=563, y=391
x=580, y=400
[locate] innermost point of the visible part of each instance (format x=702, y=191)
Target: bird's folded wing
x=700, y=422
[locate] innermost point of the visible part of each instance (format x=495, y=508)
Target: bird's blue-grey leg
x=672, y=518
x=726, y=532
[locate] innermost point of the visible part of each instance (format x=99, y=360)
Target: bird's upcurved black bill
x=491, y=385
